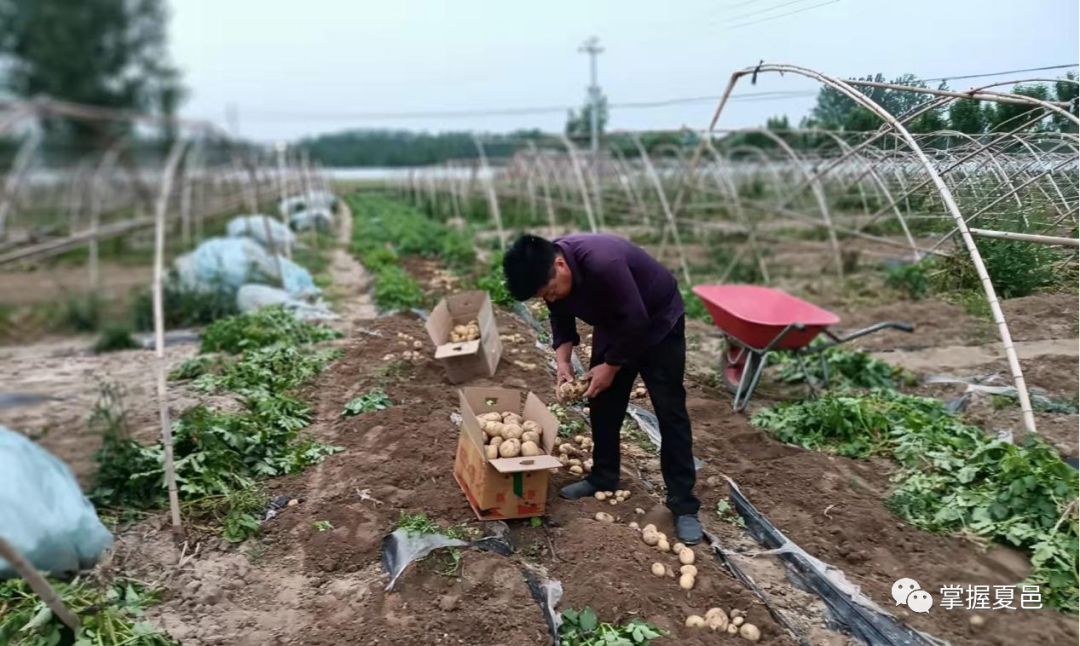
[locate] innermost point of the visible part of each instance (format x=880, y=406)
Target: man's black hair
x=528, y=265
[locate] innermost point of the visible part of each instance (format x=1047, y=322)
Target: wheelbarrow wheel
x=734, y=361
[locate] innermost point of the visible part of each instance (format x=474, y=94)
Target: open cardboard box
x=468, y=359
x=503, y=487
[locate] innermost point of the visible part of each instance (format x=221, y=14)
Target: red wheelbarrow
x=755, y=321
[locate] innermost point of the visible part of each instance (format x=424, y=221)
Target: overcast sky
x=297, y=68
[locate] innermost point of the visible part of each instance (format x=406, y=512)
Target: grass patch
x=846, y=369
x=952, y=477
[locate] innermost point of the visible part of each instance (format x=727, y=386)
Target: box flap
x=537, y=412
x=450, y=350
x=486, y=400
x=470, y=426
x=439, y=324
x=522, y=464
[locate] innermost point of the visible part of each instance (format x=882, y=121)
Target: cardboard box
x=504, y=487
x=463, y=361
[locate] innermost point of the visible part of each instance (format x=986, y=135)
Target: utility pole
x=593, y=49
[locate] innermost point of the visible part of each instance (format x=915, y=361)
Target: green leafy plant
x=952, y=476
x=395, y=289
x=912, y=280
x=372, y=400
x=492, y=280
x=727, y=514
x=584, y=629
x=423, y=524
x=274, y=368
x=194, y=367
x=569, y=425
x=322, y=525
x=267, y=326
x=115, y=337
x=846, y=369
x=110, y=614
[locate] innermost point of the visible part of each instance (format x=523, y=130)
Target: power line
x=976, y=76
x=789, y=13
x=765, y=10
x=509, y=112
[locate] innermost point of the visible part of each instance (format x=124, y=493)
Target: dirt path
x=965, y=357
x=350, y=289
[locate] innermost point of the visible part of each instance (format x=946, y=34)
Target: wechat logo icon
x=907, y=592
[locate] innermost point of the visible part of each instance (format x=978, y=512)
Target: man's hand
x=563, y=372
x=600, y=378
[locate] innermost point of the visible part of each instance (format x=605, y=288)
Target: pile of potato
x=508, y=435
x=716, y=619
x=525, y=365
x=407, y=355
x=408, y=339
x=572, y=390
x=468, y=332
x=614, y=497
x=512, y=338
x=576, y=456
x=657, y=539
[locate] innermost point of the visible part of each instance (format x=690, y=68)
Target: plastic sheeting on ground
x=270, y=233
x=403, y=547
x=253, y=297
x=229, y=263
x=43, y=513
x=304, y=201
x=318, y=218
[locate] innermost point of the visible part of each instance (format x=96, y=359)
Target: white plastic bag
x=43, y=513
x=256, y=227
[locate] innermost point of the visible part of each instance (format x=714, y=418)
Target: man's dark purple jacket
x=630, y=299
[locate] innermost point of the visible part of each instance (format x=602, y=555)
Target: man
x=634, y=306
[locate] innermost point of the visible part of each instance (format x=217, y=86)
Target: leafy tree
x=967, y=116
x=579, y=123
x=1066, y=90
x=836, y=111
x=1010, y=116
x=108, y=53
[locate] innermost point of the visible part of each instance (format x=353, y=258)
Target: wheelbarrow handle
x=903, y=327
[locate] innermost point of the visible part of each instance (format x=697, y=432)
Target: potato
x=529, y=449
x=512, y=431
x=694, y=621
x=658, y=569
x=686, y=581
x=649, y=528
x=639, y=511
x=633, y=525
x=650, y=538
x=712, y=612
x=495, y=441
x=567, y=448
x=460, y=329
x=417, y=345
x=580, y=439
x=513, y=418
x=749, y=632
x=610, y=493
x=530, y=436
x=600, y=495
x=510, y=448
x=576, y=471
x=614, y=501
x=738, y=621
x=587, y=465
x=737, y=613
x=493, y=429
x=688, y=569
x=604, y=517
x=565, y=460
x=686, y=557
x=490, y=417
x=530, y=426
x=491, y=452
x=716, y=621
x=733, y=629
x=677, y=547
x=663, y=546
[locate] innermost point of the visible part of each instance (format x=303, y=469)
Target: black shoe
x=688, y=529
x=580, y=489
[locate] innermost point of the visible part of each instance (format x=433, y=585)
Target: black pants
x=662, y=368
